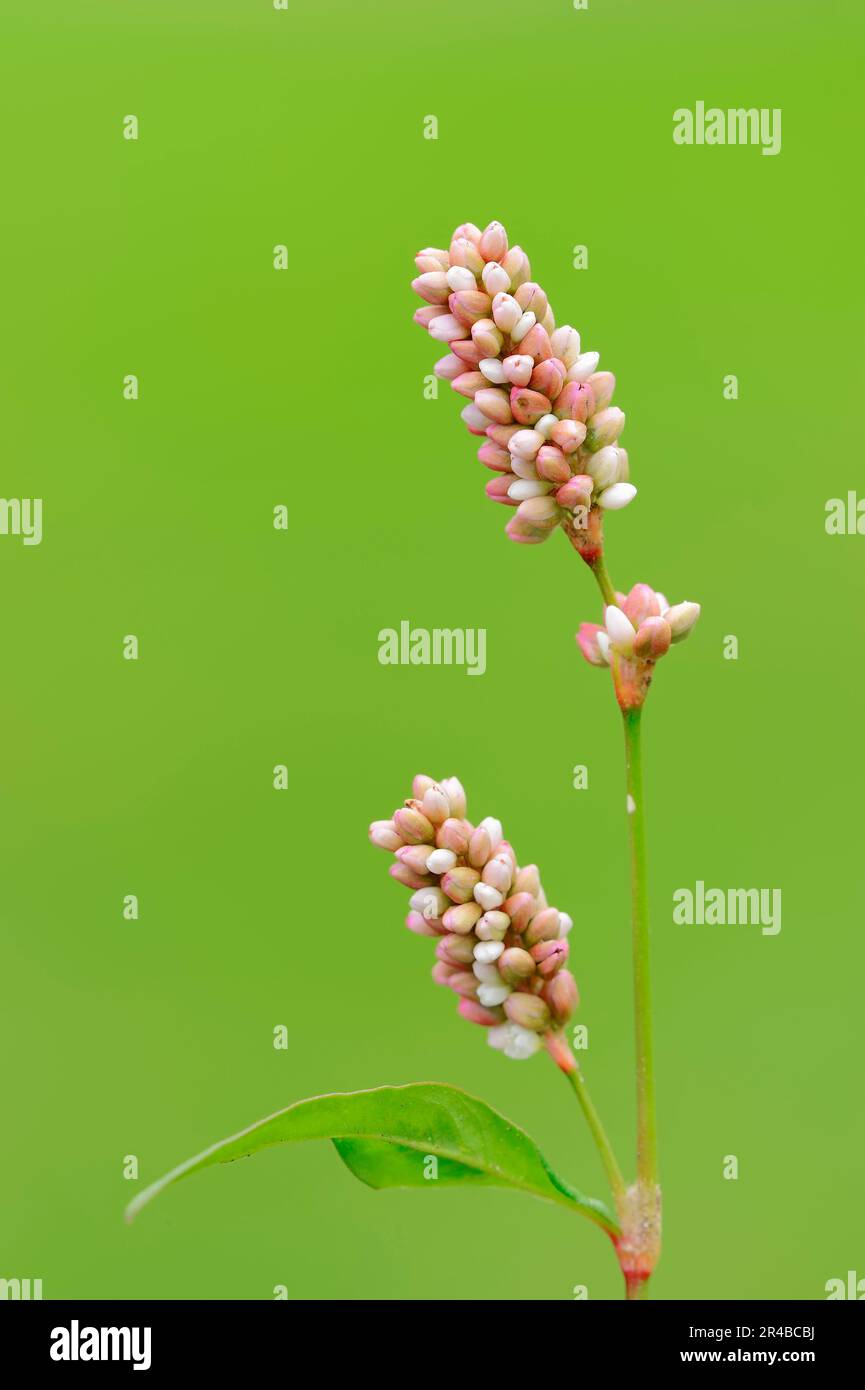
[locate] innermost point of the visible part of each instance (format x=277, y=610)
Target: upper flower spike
x=636, y=632
x=551, y=434
x=500, y=947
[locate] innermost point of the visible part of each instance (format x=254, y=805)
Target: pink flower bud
x=550, y=956
x=487, y=336
x=561, y=996
x=604, y=467
x=603, y=385
x=506, y=312
x=524, y=468
x=457, y=950
x=480, y=849
x=435, y=805
x=449, y=368
x=414, y=827
x=587, y=638
x=469, y=306
x=498, y=873
x=498, y=489
x=454, y=833
x=653, y=639
x=474, y=419
x=542, y=512
x=516, y=966
x=415, y=858
x=462, y=919
x=468, y=383
x=493, y=244
x=576, y=493
x=419, y=784
x=520, y=907
x=383, y=834
x=492, y=925
x=425, y=315
x=642, y=602
x=491, y=456
x=528, y=880
x=585, y=366
x=524, y=324
x=568, y=434
x=531, y=298
x=682, y=618
x=464, y=252
x=455, y=793
x=495, y=278
x=476, y=1013
x=604, y=427
x=495, y=404
x=468, y=352
x=529, y=1011
x=548, y=377
x=565, y=342
x=552, y=465
x=520, y=531
x=432, y=286
x=524, y=488
x=528, y=406
x=417, y=923
x=525, y=444
x=493, y=371
x=463, y=983
x=518, y=369
x=516, y=263
x=408, y=878
x=574, y=402
x=544, y=926
x=446, y=329
x=433, y=254
x=459, y=884
x=442, y=972
x=459, y=277
x=502, y=434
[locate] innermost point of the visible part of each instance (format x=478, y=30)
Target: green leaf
x=385, y=1137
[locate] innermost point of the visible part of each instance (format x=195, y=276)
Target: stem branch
x=647, y=1148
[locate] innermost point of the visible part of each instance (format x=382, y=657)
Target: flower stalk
x=551, y=438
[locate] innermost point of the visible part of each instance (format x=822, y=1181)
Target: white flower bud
x=682, y=617
x=614, y=498
x=620, y=629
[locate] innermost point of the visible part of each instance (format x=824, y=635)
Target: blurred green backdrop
x=259, y=647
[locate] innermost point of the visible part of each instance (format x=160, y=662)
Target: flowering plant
x=551, y=438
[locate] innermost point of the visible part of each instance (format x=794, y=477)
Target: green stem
x=647, y=1150
x=605, y=584
x=566, y=1061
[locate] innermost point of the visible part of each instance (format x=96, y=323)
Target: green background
x=259, y=646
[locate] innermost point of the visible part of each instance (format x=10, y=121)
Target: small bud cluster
x=636, y=632
x=540, y=401
x=499, y=946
